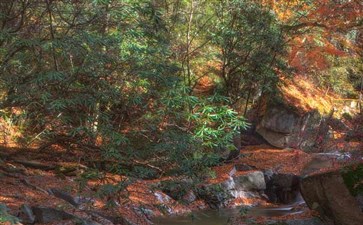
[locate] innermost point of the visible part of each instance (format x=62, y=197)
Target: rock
x=129, y=216
x=312, y=221
x=189, y=197
x=232, y=171
x=359, y=199
x=282, y=127
x=48, y=215
x=325, y=161
x=268, y=174
x=164, y=205
x=147, y=212
x=26, y=214
x=162, y=198
x=90, y=222
x=176, y=189
x=251, y=181
x=64, y=196
x=309, y=221
x=243, y=167
x=329, y=194
x=164, y=201
x=106, y=219
x=280, y=120
x=282, y=188
x=75, y=201
x=240, y=185
x=250, y=137
x=217, y=195
x=233, y=151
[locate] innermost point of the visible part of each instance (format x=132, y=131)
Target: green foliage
x=342, y=77
x=82, y=82
x=214, y=122
x=250, y=42
x=209, y=124
x=6, y=217
x=116, y=79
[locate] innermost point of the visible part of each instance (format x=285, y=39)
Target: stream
x=222, y=216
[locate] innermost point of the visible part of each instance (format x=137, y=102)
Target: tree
x=78, y=73
x=92, y=76
x=250, y=43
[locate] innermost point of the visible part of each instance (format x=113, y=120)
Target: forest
x=138, y=112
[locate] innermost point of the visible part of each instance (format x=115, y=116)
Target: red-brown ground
x=15, y=189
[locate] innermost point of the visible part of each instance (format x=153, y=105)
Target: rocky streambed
x=253, y=194
x=261, y=187
x=226, y=215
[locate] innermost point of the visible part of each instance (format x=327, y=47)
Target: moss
x=353, y=178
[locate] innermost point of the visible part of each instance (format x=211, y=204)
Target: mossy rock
x=333, y=195
x=353, y=178
x=216, y=195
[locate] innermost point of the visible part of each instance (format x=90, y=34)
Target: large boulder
x=26, y=214
x=281, y=187
x=296, y=116
x=332, y=195
x=284, y=127
x=217, y=195
x=249, y=181
x=232, y=152
x=233, y=184
x=48, y=215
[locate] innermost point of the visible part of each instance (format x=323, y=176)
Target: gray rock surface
x=251, y=181
x=64, y=196
x=243, y=167
x=189, y=197
x=282, y=188
x=26, y=214
x=284, y=128
x=328, y=194
x=48, y=215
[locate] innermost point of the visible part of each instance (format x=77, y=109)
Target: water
x=279, y=210
x=325, y=161
x=205, y=217
x=222, y=216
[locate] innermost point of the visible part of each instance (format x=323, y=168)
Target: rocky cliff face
x=297, y=117
x=284, y=128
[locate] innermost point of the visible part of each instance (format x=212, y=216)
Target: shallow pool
x=222, y=216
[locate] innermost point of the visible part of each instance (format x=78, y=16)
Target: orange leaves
x=286, y=10
x=337, y=16
x=310, y=52
x=305, y=95
x=319, y=28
